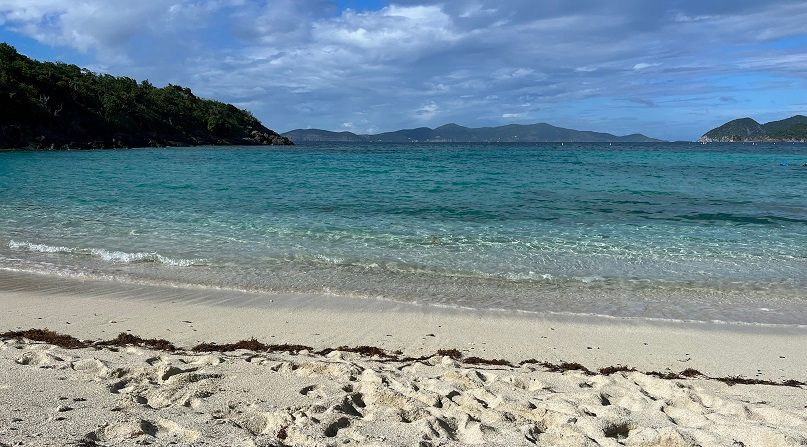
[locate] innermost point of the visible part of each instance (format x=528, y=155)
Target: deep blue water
x=683, y=231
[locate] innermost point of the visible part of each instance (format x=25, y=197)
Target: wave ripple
x=115, y=257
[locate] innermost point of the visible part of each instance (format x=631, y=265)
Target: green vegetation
x=793, y=128
x=60, y=106
x=512, y=133
x=746, y=129
x=308, y=135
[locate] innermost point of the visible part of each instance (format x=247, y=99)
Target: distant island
x=511, y=133
x=793, y=129
x=46, y=105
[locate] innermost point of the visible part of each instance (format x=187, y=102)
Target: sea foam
x=116, y=257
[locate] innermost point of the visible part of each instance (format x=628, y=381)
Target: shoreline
x=376, y=373
x=96, y=309
x=329, y=298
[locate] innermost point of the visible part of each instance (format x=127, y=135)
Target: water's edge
x=663, y=231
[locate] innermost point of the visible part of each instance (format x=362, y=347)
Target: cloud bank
x=670, y=71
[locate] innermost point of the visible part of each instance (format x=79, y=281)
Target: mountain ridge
x=793, y=129
x=455, y=133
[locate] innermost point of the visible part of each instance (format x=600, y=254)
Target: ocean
x=676, y=231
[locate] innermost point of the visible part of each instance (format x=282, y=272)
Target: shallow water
x=680, y=231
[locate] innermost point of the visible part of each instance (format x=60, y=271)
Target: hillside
x=303, y=135
x=511, y=133
x=60, y=106
x=793, y=129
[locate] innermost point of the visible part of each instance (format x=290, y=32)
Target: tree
x=45, y=104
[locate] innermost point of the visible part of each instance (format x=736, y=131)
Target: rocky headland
x=790, y=130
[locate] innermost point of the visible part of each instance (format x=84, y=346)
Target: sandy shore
x=132, y=395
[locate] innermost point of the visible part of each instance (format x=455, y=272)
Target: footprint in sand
x=172, y=371
x=436, y=428
x=332, y=429
x=91, y=366
x=165, y=430
x=203, y=360
x=313, y=391
x=266, y=423
x=114, y=432
x=42, y=359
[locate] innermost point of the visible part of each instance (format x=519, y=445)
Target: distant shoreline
x=454, y=133
x=302, y=144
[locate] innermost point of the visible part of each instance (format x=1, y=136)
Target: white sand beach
x=132, y=395
x=378, y=223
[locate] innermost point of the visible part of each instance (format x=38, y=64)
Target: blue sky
x=670, y=69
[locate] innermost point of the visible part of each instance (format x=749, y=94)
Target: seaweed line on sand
x=125, y=339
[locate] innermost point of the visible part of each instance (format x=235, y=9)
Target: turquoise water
x=679, y=231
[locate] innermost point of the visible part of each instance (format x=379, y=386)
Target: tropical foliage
x=57, y=105
x=746, y=129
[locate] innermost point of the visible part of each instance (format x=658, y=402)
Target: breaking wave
x=115, y=257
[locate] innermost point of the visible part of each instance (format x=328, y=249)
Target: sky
x=669, y=69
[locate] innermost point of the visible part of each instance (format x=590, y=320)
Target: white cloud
x=392, y=32
x=476, y=10
x=468, y=61
x=103, y=26
x=644, y=65
x=683, y=18
x=513, y=73
x=427, y=111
